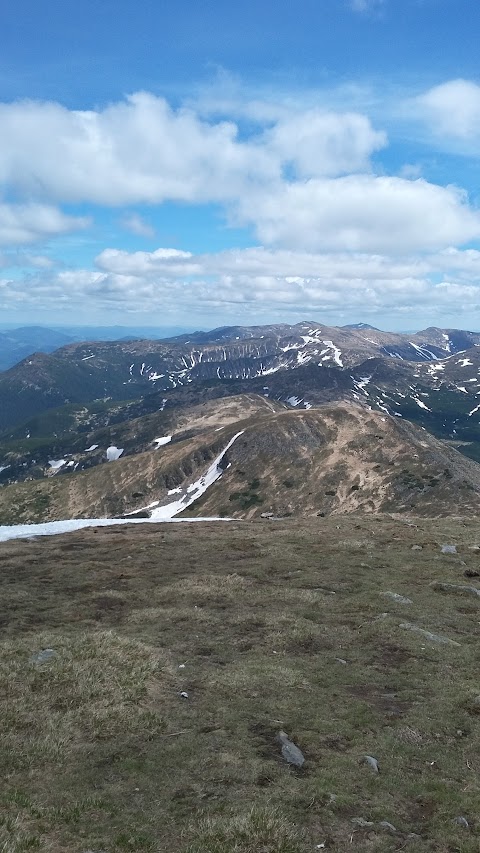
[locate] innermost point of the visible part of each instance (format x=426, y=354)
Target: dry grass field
x=265, y=626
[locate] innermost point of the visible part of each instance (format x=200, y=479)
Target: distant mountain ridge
x=84, y=371
x=17, y=344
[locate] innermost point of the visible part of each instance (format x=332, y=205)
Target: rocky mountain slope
x=82, y=372
x=334, y=459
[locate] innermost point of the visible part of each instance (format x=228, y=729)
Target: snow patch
x=337, y=353
x=195, y=490
x=421, y=404
x=464, y=362
x=89, y=449
x=56, y=464
x=433, y=368
x=159, y=442
x=114, y=453
x=52, y=528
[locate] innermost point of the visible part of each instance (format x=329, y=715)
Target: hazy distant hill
x=16, y=344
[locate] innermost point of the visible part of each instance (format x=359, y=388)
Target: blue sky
x=213, y=163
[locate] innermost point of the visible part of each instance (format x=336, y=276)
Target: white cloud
x=133, y=222
x=257, y=284
x=362, y=213
x=137, y=150
x=27, y=223
x=453, y=109
x=319, y=143
x=304, y=179
x=141, y=150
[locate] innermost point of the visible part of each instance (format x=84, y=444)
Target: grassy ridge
x=265, y=626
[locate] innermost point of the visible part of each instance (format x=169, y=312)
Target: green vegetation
x=248, y=497
x=265, y=626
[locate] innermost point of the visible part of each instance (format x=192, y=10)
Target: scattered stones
x=449, y=549
x=417, y=548
x=387, y=826
x=435, y=638
x=455, y=587
x=462, y=821
x=43, y=656
x=395, y=596
x=290, y=751
x=372, y=762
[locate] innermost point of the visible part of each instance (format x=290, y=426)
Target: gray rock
x=360, y=821
x=43, y=656
x=290, y=751
x=449, y=549
x=388, y=827
x=462, y=589
x=184, y=694
x=435, y=638
x=413, y=836
x=341, y=660
x=395, y=596
x=417, y=548
x=474, y=547
x=372, y=762
x=462, y=821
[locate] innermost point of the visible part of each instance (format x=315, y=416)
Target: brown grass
x=100, y=752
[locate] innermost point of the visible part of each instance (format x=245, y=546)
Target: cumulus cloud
x=362, y=213
x=137, y=150
x=141, y=150
x=453, y=109
x=259, y=284
x=302, y=180
x=134, y=223
x=319, y=143
x=336, y=235
x=27, y=223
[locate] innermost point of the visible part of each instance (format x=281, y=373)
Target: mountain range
x=112, y=427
